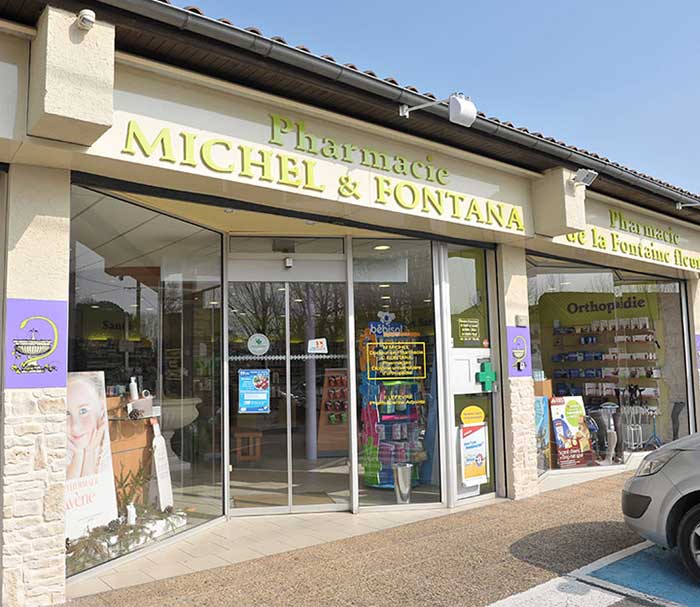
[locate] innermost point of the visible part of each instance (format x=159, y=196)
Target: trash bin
x=402, y=482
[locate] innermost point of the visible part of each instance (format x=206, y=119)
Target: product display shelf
x=391, y=433
x=334, y=416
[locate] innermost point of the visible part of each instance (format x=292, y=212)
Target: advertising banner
x=542, y=436
x=90, y=496
x=254, y=390
x=475, y=449
x=571, y=434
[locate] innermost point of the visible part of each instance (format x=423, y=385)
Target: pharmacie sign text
x=295, y=158
x=633, y=236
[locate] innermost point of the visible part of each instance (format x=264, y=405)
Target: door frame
x=284, y=277
x=442, y=310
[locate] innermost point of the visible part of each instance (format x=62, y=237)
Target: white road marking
x=562, y=592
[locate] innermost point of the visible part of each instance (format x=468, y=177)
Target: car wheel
x=689, y=541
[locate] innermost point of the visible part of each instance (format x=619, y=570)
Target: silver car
x=662, y=501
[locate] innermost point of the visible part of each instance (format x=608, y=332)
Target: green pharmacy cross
x=487, y=376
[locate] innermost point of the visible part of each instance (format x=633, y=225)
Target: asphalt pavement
x=471, y=558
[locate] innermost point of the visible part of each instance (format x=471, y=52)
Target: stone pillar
x=518, y=392
x=33, y=441
x=694, y=323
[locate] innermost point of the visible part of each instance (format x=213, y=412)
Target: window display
x=144, y=384
x=397, y=396
x=609, y=357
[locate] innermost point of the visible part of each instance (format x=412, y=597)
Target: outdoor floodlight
x=585, y=177
x=462, y=109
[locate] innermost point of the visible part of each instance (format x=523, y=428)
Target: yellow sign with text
x=294, y=158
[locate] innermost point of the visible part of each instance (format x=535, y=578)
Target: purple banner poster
x=519, y=355
x=36, y=349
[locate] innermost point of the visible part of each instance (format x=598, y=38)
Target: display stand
x=333, y=421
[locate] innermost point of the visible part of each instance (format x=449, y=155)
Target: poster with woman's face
x=90, y=494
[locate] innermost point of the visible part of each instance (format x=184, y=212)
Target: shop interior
x=609, y=363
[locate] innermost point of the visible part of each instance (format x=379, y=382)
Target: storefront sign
x=90, y=496
x=258, y=344
x=486, y=376
x=292, y=157
x=253, y=390
x=474, y=451
x=572, y=308
x=625, y=233
x=571, y=434
x=35, y=343
x=395, y=360
x=519, y=357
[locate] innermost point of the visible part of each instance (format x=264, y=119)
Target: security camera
x=86, y=19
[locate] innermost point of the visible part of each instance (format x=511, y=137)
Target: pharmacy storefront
x=258, y=355
x=219, y=302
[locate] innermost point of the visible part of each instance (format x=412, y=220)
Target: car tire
x=689, y=541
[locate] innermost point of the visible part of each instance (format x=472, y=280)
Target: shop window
x=609, y=363
x=397, y=396
x=144, y=386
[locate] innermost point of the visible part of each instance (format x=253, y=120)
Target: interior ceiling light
x=382, y=247
x=384, y=286
x=462, y=110
x=386, y=296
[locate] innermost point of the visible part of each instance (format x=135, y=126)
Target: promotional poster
x=571, y=434
x=544, y=451
x=254, y=390
x=90, y=497
x=475, y=449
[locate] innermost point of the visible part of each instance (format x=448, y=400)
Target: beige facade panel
x=558, y=205
x=71, y=79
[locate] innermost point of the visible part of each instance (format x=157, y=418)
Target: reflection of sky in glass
x=464, y=293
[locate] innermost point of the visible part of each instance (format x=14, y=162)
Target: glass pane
x=145, y=349
x=320, y=417
x=258, y=399
x=470, y=329
x=397, y=395
x=612, y=341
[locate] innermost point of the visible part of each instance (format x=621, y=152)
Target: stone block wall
x=518, y=392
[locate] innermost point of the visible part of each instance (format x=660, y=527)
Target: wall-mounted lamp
x=462, y=109
x=585, y=177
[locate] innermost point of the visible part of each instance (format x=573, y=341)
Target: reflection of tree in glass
x=326, y=301
x=256, y=307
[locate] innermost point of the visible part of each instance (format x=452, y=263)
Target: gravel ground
x=471, y=558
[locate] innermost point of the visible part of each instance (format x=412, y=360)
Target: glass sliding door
x=258, y=427
x=288, y=376
x=320, y=416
